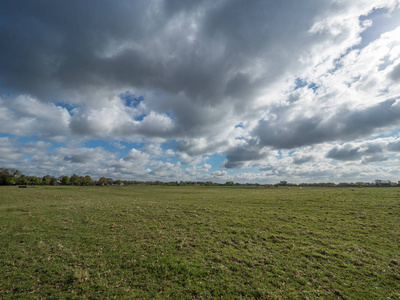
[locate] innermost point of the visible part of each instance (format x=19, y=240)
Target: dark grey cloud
x=53, y=46
x=344, y=153
x=395, y=74
x=83, y=156
x=288, y=132
x=238, y=156
x=375, y=158
x=373, y=148
x=206, y=61
x=204, y=51
x=48, y=45
x=239, y=86
x=394, y=146
x=77, y=158
x=303, y=159
x=370, y=152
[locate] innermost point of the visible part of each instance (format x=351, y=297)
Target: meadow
x=149, y=242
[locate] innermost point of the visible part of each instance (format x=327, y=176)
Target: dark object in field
x=25, y=187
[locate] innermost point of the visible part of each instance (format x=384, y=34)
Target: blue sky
x=260, y=91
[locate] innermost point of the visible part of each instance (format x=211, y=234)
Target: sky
x=214, y=90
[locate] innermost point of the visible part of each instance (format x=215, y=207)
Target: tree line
x=15, y=177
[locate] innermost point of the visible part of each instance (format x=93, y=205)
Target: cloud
x=375, y=158
x=40, y=145
x=302, y=159
x=370, y=151
x=265, y=85
x=200, y=146
x=137, y=156
x=395, y=73
x=240, y=155
x=84, y=155
x=219, y=173
x=117, y=120
x=394, y=146
x=7, y=153
x=344, y=153
x=26, y=116
x=156, y=125
x=196, y=50
x=293, y=130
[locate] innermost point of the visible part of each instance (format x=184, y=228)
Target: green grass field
x=199, y=242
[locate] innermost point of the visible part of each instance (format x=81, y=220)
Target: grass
x=199, y=242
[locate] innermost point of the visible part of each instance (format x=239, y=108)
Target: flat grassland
x=199, y=242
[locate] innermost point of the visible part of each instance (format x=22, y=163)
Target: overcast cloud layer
x=249, y=91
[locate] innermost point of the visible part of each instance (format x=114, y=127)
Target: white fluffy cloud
x=27, y=116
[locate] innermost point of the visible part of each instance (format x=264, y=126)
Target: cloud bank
x=256, y=91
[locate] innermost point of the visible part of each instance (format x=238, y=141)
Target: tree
x=102, y=181
x=82, y=181
x=74, y=179
x=46, y=180
x=65, y=180
x=10, y=176
x=33, y=180
x=88, y=179
x=4, y=176
x=22, y=180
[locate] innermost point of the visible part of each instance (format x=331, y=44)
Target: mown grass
x=199, y=242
